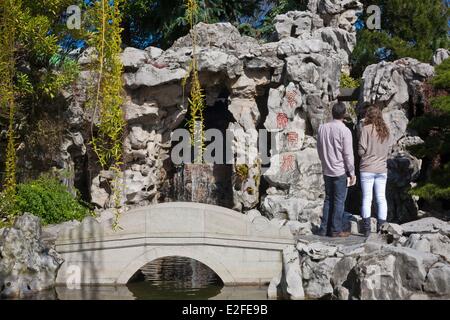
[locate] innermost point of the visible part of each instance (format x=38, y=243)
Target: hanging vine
x=196, y=122
x=107, y=97
x=9, y=10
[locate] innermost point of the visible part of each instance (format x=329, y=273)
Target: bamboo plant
x=196, y=122
x=107, y=99
x=9, y=13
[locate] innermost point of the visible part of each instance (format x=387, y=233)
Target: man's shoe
x=343, y=234
x=379, y=224
x=366, y=227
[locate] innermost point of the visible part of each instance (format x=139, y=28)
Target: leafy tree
x=40, y=70
x=409, y=28
x=161, y=22
x=434, y=128
x=30, y=32
x=107, y=92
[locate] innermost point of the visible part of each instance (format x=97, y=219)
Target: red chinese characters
x=282, y=120
x=288, y=163
x=292, y=99
x=292, y=139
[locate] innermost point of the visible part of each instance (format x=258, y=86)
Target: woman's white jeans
x=377, y=182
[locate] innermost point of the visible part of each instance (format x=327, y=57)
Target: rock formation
x=397, y=88
x=286, y=87
x=409, y=261
x=26, y=265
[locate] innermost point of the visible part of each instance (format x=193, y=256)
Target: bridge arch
x=240, y=249
x=193, y=253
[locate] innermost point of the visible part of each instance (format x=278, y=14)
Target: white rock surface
x=26, y=266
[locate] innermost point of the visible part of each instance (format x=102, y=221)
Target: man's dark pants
x=333, y=208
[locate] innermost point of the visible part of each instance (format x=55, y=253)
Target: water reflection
x=175, y=278
x=143, y=292
x=171, y=278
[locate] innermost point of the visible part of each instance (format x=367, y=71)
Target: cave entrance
x=207, y=183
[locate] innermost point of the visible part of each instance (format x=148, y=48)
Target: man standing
x=335, y=147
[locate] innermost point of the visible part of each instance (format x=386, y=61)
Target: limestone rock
x=403, y=169
x=393, y=273
x=149, y=112
x=337, y=13
x=296, y=23
x=99, y=195
x=151, y=76
x=438, y=279
x=341, y=293
x=377, y=278
x=393, y=229
x=154, y=52
x=342, y=270
x=299, y=171
x=283, y=104
x=219, y=61
x=427, y=225
x=26, y=266
x=379, y=268
x=293, y=208
x=137, y=187
x=245, y=111
x=388, y=82
x=138, y=137
x=282, y=206
x=317, y=251
x=440, y=55
x=317, y=277
x=297, y=228
x=221, y=36
x=397, y=123
x=435, y=243
x=342, y=41
x=133, y=58
x=292, y=47
x=351, y=250
x=293, y=273
x=244, y=87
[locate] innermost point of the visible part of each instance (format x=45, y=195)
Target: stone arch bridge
x=239, y=249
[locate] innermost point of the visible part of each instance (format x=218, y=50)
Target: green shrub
x=48, y=199
x=348, y=82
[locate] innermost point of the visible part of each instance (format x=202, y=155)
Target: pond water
x=171, y=278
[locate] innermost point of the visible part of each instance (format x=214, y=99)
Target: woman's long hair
x=374, y=116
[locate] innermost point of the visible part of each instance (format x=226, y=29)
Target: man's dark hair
x=339, y=111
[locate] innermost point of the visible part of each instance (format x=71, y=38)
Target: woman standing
x=374, y=145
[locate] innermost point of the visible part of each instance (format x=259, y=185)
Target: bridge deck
x=238, y=249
